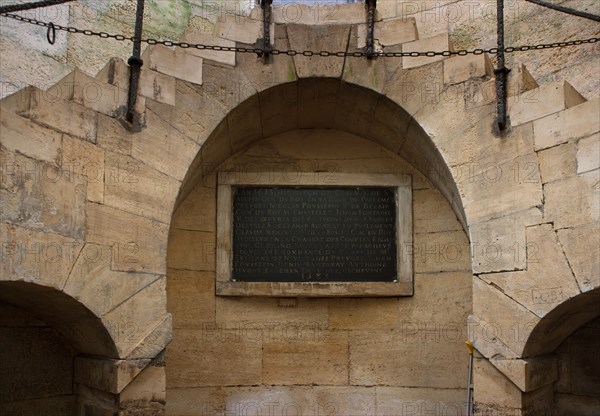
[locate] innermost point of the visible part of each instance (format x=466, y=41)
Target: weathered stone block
x=155, y=341
x=68, y=117
x=41, y=196
x=321, y=362
x=588, y=154
x=112, y=135
x=432, y=212
x=390, y=32
x=192, y=250
x=493, y=389
x=557, y=162
x=503, y=318
x=191, y=298
x=26, y=137
x=198, y=211
x=37, y=257
x=244, y=29
x=193, y=36
x=398, y=358
x=178, y=63
x=318, y=14
x=462, y=68
x=548, y=280
x=330, y=38
x=441, y=252
x=578, y=244
x=93, y=283
x=130, y=322
x=139, y=244
x=393, y=401
x=135, y=187
x=87, y=160
x=500, y=244
x=573, y=201
x=436, y=43
x=363, y=313
x=191, y=358
x=541, y=102
x=529, y=374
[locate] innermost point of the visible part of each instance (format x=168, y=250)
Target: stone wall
x=359, y=356
x=36, y=364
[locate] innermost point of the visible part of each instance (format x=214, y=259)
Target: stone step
x=542, y=101
x=153, y=84
x=175, y=62
x=193, y=36
x=436, y=43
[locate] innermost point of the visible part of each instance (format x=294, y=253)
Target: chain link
x=306, y=53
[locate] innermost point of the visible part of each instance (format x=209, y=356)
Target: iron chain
x=306, y=53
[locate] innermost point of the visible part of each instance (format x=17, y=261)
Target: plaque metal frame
x=228, y=181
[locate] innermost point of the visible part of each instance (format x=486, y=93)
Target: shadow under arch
x=561, y=322
x=84, y=331
x=324, y=103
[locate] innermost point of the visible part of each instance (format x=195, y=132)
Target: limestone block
x=557, y=162
x=163, y=148
x=579, y=121
x=85, y=159
x=92, y=93
x=399, y=358
x=414, y=88
x=191, y=298
x=502, y=317
x=326, y=38
x=588, y=154
x=68, y=117
x=185, y=122
x=529, y=374
x=436, y=43
x=441, y=252
x=195, y=37
x=192, y=250
x=93, y=283
x=244, y=29
x=148, y=390
x=177, y=62
x=152, y=84
x=484, y=337
x=318, y=13
x=244, y=123
x=137, y=188
x=496, y=189
x=494, y=390
x=192, y=362
x=41, y=196
x=133, y=319
x=462, y=68
x=277, y=319
x=35, y=256
x=363, y=313
x=573, y=201
x=113, y=135
x=578, y=244
x=198, y=210
x=293, y=362
x=139, y=244
x=108, y=375
x=279, y=109
x=500, y=244
x=390, y=32
x=30, y=139
x=317, y=100
x=432, y=212
x=441, y=304
x=155, y=341
x=355, y=109
x=542, y=102
x=392, y=401
x=390, y=135
x=548, y=280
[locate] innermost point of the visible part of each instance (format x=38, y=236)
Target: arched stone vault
x=196, y=112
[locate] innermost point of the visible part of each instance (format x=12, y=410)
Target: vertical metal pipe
x=501, y=71
x=135, y=62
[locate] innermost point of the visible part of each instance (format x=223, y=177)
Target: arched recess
x=215, y=343
x=326, y=103
x=567, y=340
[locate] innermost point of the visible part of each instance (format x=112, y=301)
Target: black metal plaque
x=314, y=234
